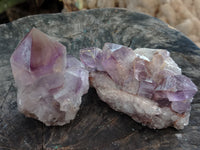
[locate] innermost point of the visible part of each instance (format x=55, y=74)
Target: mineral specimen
x=50, y=83
x=145, y=83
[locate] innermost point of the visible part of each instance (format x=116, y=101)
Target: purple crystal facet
x=117, y=62
x=26, y=65
x=178, y=88
x=181, y=107
x=153, y=74
x=146, y=89
x=121, y=54
x=50, y=84
x=73, y=62
x=141, y=70
x=92, y=58
x=112, y=47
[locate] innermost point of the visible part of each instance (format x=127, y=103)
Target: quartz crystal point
x=50, y=83
x=145, y=83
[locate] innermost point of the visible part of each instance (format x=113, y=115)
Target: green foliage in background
x=5, y=4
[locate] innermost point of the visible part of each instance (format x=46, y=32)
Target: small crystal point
x=178, y=88
x=117, y=61
x=50, y=84
x=92, y=58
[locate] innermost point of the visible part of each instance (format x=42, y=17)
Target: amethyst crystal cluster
x=145, y=83
x=50, y=83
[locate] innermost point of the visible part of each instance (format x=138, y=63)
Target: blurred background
x=184, y=15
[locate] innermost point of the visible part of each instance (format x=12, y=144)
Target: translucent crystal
x=50, y=84
x=178, y=88
x=146, y=89
x=141, y=69
x=92, y=58
x=145, y=83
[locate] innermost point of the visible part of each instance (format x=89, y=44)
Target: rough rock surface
x=181, y=14
x=96, y=126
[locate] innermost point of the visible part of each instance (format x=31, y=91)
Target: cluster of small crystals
x=149, y=73
x=50, y=83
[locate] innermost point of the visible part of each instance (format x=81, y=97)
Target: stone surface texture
x=50, y=83
x=96, y=125
x=183, y=15
x=145, y=83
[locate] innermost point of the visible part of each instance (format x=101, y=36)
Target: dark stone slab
x=96, y=126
